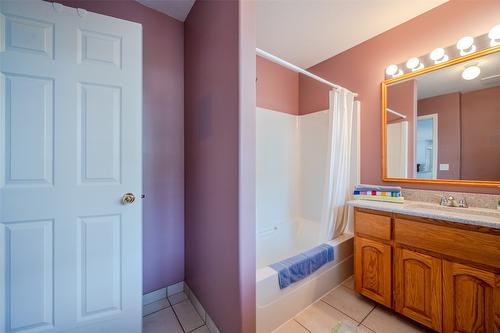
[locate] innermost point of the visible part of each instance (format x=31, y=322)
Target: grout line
x=149, y=314
x=368, y=315
x=176, y=317
x=341, y=312
x=298, y=322
x=194, y=329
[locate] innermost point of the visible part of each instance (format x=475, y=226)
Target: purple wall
x=163, y=137
x=220, y=244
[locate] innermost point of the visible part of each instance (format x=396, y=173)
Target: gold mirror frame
x=384, y=85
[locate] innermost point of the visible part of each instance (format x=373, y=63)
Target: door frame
x=435, y=145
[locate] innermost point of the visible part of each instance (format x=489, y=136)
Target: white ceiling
x=306, y=32
x=178, y=9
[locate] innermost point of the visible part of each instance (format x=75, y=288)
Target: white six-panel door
x=70, y=147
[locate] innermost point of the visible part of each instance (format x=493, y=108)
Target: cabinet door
x=418, y=287
x=373, y=270
x=471, y=299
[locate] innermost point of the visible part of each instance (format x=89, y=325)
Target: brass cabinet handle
x=128, y=198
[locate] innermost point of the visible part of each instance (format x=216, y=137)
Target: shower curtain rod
x=396, y=113
x=297, y=69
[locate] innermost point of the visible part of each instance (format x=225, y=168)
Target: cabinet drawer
x=450, y=242
x=374, y=225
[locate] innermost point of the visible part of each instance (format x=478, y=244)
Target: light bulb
x=494, y=35
x=391, y=70
x=466, y=45
x=471, y=72
x=414, y=64
x=438, y=55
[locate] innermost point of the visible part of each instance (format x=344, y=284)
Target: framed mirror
x=441, y=123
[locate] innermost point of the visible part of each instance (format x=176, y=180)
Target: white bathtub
x=274, y=305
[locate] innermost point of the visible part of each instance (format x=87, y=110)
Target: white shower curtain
x=339, y=168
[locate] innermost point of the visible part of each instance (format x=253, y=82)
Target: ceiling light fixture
x=414, y=64
x=393, y=70
x=466, y=45
x=438, y=55
x=471, y=72
x=494, y=35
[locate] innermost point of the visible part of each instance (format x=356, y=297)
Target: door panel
x=28, y=130
x=99, y=136
x=373, y=270
x=70, y=147
x=418, y=287
x=30, y=295
x=471, y=299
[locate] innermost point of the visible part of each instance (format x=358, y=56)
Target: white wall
x=291, y=165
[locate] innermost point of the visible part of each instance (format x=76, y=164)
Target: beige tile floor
x=344, y=304
x=173, y=315
x=178, y=315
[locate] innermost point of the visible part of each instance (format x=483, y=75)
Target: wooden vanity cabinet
x=471, y=299
x=373, y=270
x=443, y=275
x=418, y=287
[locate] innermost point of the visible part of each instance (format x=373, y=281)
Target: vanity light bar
x=464, y=46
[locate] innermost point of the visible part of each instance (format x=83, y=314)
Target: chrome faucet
x=452, y=202
x=462, y=203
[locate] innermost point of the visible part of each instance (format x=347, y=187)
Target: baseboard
x=212, y=327
x=162, y=293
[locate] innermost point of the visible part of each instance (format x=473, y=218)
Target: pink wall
x=277, y=87
x=402, y=98
x=481, y=134
x=219, y=100
x=163, y=137
x=448, y=109
x=362, y=67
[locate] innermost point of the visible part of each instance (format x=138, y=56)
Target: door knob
x=128, y=198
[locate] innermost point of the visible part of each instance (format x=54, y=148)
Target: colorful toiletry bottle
x=498, y=204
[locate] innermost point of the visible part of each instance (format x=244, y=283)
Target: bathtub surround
x=362, y=67
x=220, y=160
x=163, y=137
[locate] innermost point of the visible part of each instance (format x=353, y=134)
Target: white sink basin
x=453, y=210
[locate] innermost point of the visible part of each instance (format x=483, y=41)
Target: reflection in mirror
x=445, y=124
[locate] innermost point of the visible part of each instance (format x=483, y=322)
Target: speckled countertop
x=474, y=216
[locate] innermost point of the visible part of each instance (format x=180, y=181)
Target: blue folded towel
x=296, y=268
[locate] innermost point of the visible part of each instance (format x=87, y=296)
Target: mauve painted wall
x=402, y=98
x=448, y=109
x=481, y=134
x=362, y=67
x=215, y=237
x=163, y=137
x=277, y=87
x=248, y=165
